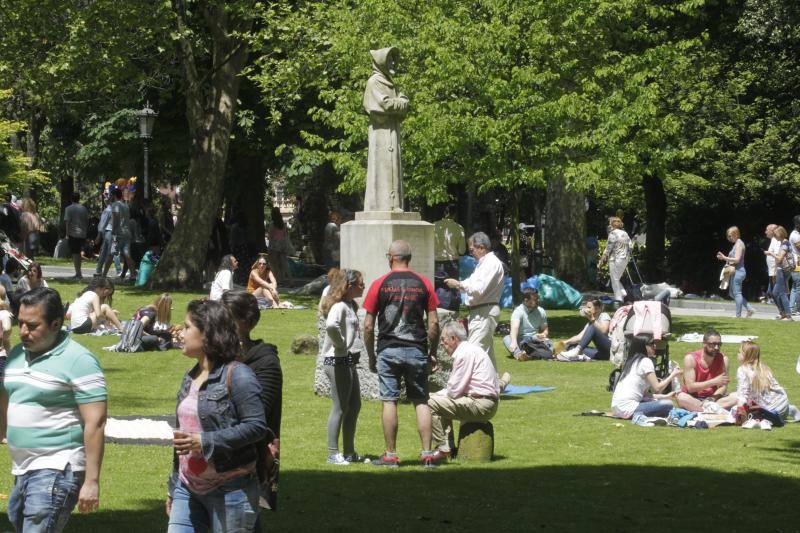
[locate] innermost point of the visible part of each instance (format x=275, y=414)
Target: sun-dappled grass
x=554, y=470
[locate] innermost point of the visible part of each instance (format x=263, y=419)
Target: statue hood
x=379, y=60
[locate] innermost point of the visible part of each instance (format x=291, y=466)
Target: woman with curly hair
x=341, y=351
x=223, y=281
x=213, y=485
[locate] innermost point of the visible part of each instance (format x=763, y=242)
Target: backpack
x=537, y=348
x=131, y=339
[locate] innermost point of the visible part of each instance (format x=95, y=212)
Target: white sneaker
x=766, y=425
x=337, y=459
x=751, y=424
x=569, y=355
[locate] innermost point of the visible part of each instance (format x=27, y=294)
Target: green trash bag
x=149, y=262
x=556, y=294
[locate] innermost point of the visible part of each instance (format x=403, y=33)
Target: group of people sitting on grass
x=226, y=443
x=759, y=399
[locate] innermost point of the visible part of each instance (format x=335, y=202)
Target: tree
x=212, y=83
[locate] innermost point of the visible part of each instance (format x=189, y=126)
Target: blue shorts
x=406, y=362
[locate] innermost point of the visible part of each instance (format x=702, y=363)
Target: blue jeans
x=654, y=408
x=42, y=500
x=602, y=344
x=105, y=249
x=507, y=344
x=230, y=508
x=407, y=362
x=735, y=290
x=794, y=301
x=779, y=293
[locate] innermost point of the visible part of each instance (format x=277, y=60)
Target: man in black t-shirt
x=401, y=300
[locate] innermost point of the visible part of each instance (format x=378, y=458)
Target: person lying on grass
x=758, y=390
x=637, y=391
x=93, y=307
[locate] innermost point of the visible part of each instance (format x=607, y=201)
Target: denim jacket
x=232, y=422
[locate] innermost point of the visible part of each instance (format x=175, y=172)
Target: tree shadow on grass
x=462, y=498
x=555, y=498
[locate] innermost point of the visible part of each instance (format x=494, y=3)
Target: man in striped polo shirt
x=56, y=418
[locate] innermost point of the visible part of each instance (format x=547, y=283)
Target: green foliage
x=14, y=164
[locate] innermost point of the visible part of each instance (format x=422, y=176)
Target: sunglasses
x=717, y=344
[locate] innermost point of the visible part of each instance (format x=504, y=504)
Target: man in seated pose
x=705, y=374
x=472, y=392
x=527, y=321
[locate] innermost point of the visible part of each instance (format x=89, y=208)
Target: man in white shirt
x=774, y=246
x=472, y=392
x=482, y=291
x=794, y=241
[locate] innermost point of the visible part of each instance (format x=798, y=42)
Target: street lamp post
x=147, y=118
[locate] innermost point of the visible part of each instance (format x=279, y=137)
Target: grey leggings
x=346, y=396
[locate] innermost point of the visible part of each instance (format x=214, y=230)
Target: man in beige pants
x=471, y=394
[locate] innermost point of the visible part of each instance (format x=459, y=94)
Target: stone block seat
x=476, y=442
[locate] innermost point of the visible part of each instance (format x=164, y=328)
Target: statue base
x=365, y=242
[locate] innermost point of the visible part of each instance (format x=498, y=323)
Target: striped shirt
x=45, y=429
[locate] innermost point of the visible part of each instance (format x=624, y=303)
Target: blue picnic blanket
x=525, y=389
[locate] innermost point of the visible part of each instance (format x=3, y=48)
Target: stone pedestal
x=476, y=442
x=365, y=242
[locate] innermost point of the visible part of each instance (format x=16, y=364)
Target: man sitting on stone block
x=472, y=392
x=528, y=321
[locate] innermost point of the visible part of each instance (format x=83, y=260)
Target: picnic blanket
x=726, y=339
x=525, y=389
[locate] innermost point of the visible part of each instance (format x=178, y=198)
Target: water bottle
x=676, y=382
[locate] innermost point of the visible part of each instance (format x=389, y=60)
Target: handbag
x=788, y=263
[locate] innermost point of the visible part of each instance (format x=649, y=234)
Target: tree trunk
x=656, y=205
x=36, y=121
x=210, y=105
x=565, y=232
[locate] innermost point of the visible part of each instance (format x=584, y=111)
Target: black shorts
x=76, y=244
x=86, y=327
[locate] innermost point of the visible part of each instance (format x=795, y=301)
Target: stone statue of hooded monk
x=386, y=107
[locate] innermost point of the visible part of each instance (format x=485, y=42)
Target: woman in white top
x=223, y=281
x=637, y=389
x=31, y=280
x=757, y=388
x=595, y=331
x=340, y=351
x=617, y=254
x=93, y=306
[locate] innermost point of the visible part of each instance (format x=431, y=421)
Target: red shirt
x=701, y=373
x=400, y=300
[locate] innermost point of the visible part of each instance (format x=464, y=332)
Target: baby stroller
x=13, y=260
x=649, y=318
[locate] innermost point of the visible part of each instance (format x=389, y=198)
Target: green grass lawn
x=553, y=471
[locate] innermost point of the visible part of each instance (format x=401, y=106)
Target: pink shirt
x=199, y=475
x=473, y=373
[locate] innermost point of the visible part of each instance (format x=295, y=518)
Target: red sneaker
x=389, y=462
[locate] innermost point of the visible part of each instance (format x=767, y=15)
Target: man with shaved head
x=408, y=333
